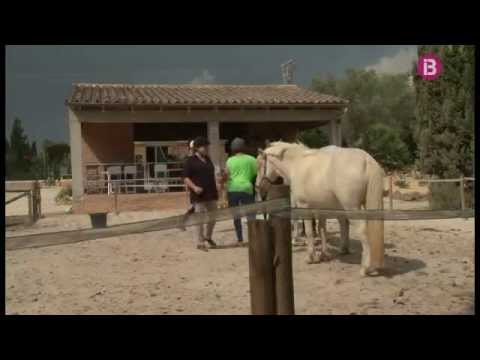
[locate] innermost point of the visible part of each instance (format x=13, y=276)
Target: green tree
x=444, y=112
x=385, y=145
x=314, y=138
x=33, y=150
x=18, y=164
x=375, y=99
x=56, y=155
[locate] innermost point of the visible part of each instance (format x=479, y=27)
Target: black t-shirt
x=202, y=174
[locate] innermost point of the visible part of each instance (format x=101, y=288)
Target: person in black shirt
x=199, y=177
x=191, y=209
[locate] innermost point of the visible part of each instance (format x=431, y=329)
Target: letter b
x=429, y=67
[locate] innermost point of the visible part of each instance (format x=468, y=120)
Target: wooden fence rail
x=31, y=189
x=279, y=207
x=23, y=194
x=461, y=180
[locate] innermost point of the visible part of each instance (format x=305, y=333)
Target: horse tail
x=374, y=200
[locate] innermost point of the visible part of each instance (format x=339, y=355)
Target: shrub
x=444, y=196
x=314, y=138
x=64, y=196
x=386, y=146
x=402, y=183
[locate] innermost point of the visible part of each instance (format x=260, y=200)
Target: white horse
x=345, y=178
x=319, y=225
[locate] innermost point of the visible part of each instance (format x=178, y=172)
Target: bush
x=386, y=146
x=64, y=196
x=314, y=138
x=402, y=183
x=470, y=195
x=445, y=196
x=50, y=181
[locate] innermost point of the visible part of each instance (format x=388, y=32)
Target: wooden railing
x=97, y=178
x=30, y=189
x=461, y=180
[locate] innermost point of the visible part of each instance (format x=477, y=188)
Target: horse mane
x=298, y=147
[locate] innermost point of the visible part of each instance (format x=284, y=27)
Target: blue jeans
x=236, y=199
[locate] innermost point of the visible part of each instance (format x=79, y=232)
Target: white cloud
x=396, y=64
x=204, y=78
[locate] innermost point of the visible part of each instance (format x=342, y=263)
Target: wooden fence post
x=30, y=206
x=39, y=199
x=260, y=258
x=462, y=192
x=390, y=191
x=281, y=231
x=34, y=202
x=115, y=196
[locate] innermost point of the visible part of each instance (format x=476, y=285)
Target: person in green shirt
x=241, y=171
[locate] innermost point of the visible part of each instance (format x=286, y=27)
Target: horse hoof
x=368, y=272
x=325, y=256
x=374, y=272
x=313, y=259
x=363, y=272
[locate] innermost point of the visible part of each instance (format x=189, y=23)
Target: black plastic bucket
x=99, y=220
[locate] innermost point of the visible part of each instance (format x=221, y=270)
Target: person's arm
x=187, y=173
x=189, y=183
x=226, y=175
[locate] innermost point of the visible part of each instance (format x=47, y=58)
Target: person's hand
x=198, y=190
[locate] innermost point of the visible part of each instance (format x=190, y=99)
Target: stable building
x=137, y=135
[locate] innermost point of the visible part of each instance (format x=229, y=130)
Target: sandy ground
x=430, y=271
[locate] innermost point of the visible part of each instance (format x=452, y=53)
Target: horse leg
x=315, y=232
x=344, y=235
x=299, y=239
x=313, y=256
x=322, y=229
x=366, y=260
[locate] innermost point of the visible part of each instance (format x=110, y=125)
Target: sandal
x=202, y=247
x=211, y=243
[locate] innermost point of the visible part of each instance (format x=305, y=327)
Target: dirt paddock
x=430, y=270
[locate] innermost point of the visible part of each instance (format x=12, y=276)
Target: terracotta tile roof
x=165, y=95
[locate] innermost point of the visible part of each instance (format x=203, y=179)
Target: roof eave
x=208, y=106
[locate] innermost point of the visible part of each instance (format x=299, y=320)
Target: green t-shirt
x=242, y=169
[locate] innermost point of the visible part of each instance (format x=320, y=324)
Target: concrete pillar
x=339, y=133
x=333, y=132
x=75, y=129
x=213, y=133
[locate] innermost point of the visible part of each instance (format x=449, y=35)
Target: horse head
x=268, y=166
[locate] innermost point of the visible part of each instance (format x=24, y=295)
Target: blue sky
x=39, y=78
